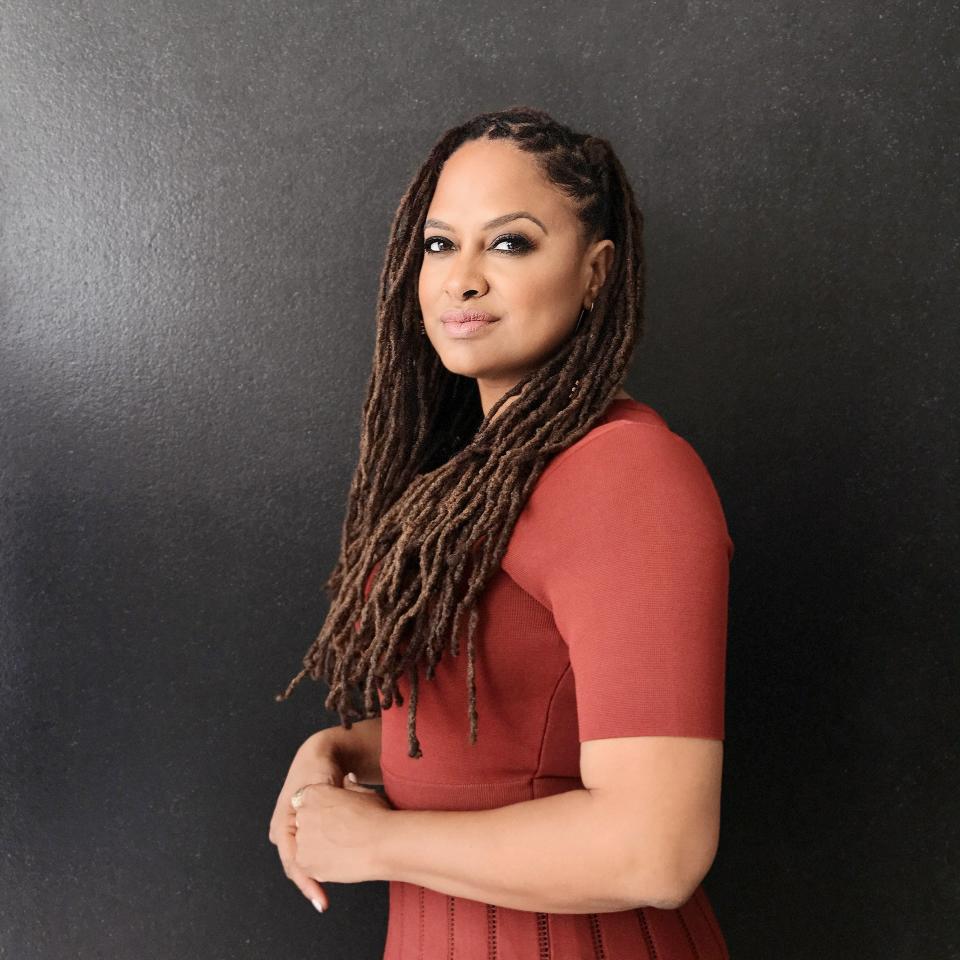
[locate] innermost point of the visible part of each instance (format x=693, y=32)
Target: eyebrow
x=496, y=222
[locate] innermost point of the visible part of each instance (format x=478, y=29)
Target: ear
x=598, y=261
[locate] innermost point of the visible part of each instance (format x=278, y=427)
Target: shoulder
x=627, y=474
x=623, y=453
x=629, y=507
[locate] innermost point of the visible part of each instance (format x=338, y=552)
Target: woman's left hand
x=337, y=832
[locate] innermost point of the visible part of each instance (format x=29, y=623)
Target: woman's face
x=532, y=273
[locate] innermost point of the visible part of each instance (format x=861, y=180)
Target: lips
x=467, y=316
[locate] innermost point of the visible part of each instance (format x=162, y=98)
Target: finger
x=325, y=779
x=350, y=783
x=303, y=881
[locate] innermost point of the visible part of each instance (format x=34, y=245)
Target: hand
x=314, y=762
x=337, y=830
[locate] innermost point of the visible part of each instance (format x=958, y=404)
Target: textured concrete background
x=195, y=202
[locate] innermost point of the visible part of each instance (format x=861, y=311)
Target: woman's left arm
x=643, y=831
x=555, y=854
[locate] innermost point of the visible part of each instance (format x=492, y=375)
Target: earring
x=423, y=328
x=583, y=313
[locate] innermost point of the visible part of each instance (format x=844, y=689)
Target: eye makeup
x=521, y=243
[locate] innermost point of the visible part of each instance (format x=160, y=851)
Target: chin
x=472, y=370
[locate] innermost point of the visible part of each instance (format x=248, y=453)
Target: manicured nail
x=318, y=903
x=352, y=777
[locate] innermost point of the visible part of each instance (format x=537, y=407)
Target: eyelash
x=525, y=245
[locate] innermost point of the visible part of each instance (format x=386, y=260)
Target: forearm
x=358, y=749
x=555, y=854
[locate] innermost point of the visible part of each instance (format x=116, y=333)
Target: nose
x=465, y=277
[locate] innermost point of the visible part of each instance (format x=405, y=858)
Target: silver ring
x=296, y=801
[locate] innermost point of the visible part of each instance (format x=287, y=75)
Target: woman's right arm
x=356, y=749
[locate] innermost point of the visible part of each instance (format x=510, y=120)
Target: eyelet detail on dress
x=491, y=931
x=598, y=950
x=645, y=930
x=543, y=936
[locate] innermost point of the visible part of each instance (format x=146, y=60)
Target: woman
x=560, y=794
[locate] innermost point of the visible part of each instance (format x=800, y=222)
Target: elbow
x=666, y=882
x=651, y=881
x=690, y=878
x=681, y=892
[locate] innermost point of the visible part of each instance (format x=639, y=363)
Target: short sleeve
x=624, y=540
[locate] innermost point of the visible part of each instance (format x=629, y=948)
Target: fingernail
x=352, y=777
x=318, y=903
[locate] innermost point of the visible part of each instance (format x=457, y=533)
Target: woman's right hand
x=315, y=762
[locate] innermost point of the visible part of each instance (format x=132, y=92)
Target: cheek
x=541, y=301
x=534, y=288
x=429, y=279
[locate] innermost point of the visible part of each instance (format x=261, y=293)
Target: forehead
x=485, y=178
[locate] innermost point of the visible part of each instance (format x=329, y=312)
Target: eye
x=520, y=242
x=429, y=240
x=523, y=243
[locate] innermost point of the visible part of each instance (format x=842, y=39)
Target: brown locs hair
x=438, y=486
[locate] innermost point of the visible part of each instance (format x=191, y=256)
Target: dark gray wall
x=196, y=198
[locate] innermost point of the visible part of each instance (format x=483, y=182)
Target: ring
x=296, y=801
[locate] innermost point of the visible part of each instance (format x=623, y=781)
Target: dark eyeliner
x=516, y=238
x=429, y=240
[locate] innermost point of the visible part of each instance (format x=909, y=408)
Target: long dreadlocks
x=439, y=486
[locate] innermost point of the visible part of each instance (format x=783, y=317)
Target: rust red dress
x=607, y=618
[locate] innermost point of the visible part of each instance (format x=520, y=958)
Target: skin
x=325, y=758
x=643, y=832
x=536, y=285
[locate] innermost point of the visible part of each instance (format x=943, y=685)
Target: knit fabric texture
x=607, y=618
